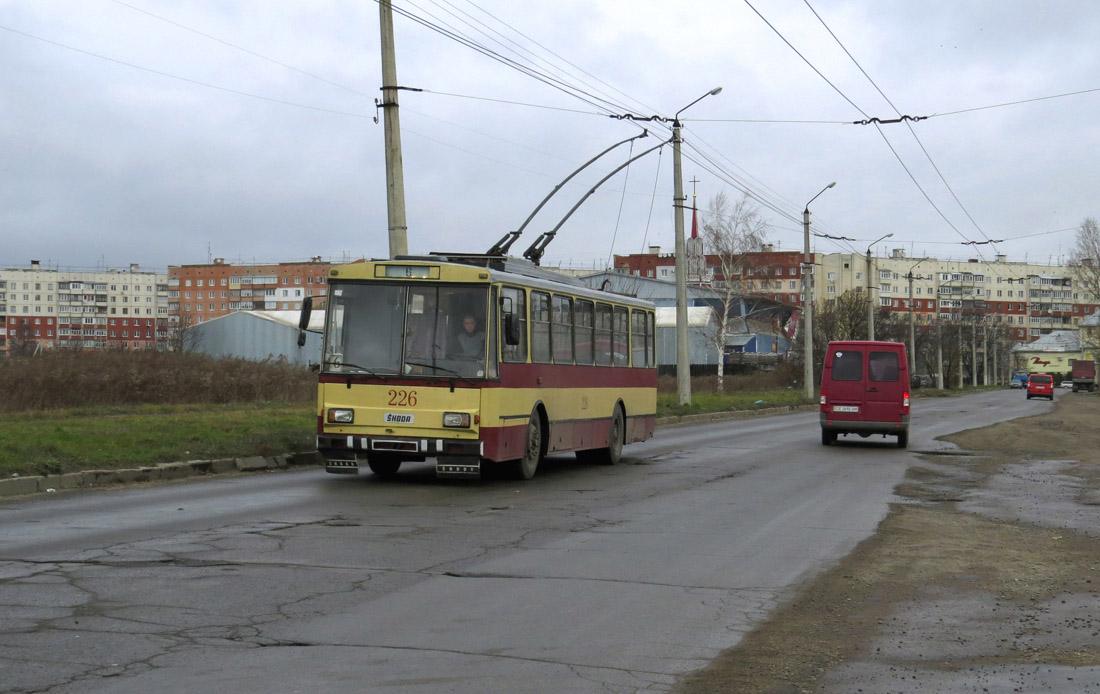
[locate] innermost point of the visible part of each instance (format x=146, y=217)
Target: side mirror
x=307, y=310
x=303, y=320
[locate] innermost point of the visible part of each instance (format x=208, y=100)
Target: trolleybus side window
x=582, y=335
x=540, y=327
x=638, y=341
x=651, y=350
x=514, y=304
x=603, y=335
x=562, y=331
x=622, y=337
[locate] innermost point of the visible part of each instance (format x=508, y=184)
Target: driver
x=471, y=339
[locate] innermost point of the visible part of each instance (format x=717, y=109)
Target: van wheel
x=828, y=437
x=525, y=467
x=903, y=439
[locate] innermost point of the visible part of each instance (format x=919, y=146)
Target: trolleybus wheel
x=614, y=451
x=525, y=467
x=613, y=454
x=383, y=465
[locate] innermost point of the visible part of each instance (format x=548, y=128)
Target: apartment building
x=42, y=308
x=197, y=293
x=1028, y=299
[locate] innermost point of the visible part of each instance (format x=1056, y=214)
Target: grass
x=70, y=440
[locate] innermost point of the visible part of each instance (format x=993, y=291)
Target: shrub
x=70, y=378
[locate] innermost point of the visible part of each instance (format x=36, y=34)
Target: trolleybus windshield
x=423, y=330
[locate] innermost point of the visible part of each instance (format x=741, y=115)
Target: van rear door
x=884, y=386
x=846, y=385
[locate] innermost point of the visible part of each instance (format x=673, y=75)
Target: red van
x=1040, y=386
x=865, y=390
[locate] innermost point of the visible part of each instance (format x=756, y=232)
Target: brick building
x=197, y=293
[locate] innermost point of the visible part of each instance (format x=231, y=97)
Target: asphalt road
x=584, y=579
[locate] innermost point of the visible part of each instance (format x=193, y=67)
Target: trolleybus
x=475, y=361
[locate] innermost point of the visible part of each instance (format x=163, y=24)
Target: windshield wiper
x=442, y=368
x=363, y=369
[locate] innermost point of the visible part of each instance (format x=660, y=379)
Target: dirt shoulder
x=985, y=578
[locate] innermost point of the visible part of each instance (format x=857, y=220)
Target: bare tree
x=1084, y=259
x=730, y=230
x=182, y=336
x=844, y=318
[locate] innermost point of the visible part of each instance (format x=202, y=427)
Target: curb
x=37, y=484
x=681, y=420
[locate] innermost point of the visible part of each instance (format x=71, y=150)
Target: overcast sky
x=169, y=132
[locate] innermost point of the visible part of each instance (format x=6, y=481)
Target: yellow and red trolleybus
x=477, y=360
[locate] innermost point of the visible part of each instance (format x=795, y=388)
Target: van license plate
x=393, y=418
x=845, y=408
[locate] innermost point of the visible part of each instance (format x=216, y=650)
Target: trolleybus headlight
x=341, y=416
x=458, y=420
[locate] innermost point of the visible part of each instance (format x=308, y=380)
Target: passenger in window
x=471, y=339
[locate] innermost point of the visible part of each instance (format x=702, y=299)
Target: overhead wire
x=903, y=118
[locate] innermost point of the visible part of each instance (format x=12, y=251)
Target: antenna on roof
x=501, y=247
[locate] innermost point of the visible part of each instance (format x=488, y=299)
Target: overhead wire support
x=876, y=120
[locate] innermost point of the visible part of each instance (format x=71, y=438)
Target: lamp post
x=683, y=353
x=870, y=296
x=808, y=301
x=912, y=322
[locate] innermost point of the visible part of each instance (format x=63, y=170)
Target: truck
x=1019, y=379
x=1083, y=372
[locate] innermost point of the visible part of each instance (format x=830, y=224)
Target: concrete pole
x=808, y=309
x=395, y=175
x=683, y=355
x=808, y=300
x=912, y=331
x=959, y=337
x=985, y=357
x=996, y=375
x=870, y=300
x=974, y=354
x=939, y=354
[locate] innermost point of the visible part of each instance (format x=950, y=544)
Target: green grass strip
x=59, y=441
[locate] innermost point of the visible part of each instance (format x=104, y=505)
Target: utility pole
x=683, y=347
x=808, y=301
x=870, y=295
x=870, y=300
x=395, y=175
x=939, y=353
x=974, y=352
x=912, y=330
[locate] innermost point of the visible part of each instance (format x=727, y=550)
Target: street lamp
x=870, y=297
x=683, y=355
x=808, y=302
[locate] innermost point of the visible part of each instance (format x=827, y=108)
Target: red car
x=1040, y=386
